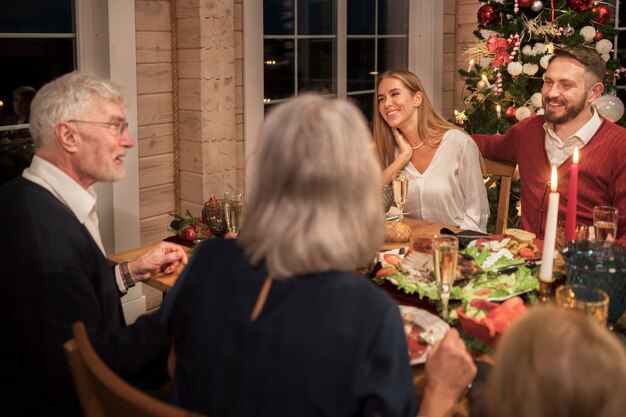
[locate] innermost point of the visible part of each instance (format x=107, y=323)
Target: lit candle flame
x=575, y=158
x=471, y=65
x=553, y=180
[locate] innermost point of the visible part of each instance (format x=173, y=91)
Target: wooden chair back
x=502, y=171
x=102, y=392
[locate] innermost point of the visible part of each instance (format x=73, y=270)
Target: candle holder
x=546, y=294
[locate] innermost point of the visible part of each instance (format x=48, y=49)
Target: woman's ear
x=417, y=99
x=67, y=137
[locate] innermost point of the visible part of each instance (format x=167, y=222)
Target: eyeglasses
x=118, y=127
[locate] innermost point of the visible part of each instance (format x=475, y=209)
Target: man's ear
x=67, y=137
x=595, y=91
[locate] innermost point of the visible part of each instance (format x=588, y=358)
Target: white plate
x=416, y=319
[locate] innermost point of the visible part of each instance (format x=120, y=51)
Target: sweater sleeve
x=501, y=147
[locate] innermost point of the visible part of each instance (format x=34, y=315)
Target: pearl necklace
x=416, y=147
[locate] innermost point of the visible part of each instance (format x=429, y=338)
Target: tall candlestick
x=572, y=198
x=547, y=257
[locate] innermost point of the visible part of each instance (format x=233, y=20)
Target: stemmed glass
x=214, y=214
x=400, y=184
x=233, y=210
x=445, y=253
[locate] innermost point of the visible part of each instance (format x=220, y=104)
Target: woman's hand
x=405, y=152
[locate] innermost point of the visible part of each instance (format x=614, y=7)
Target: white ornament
x=544, y=61
x=522, y=113
x=604, y=46
x=536, y=100
x=527, y=50
x=540, y=112
x=514, y=68
x=498, y=1
x=606, y=57
x=588, y=33
x=610, y=107
x=536, y=6
x=530, y=69
x=539, y=48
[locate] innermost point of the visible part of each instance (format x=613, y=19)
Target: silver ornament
x=536, y=6
x=568, y=31
x=481, y=85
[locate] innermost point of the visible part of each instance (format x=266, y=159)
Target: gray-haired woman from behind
x=275, y=322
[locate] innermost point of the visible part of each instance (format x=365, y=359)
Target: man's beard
x=571, y=111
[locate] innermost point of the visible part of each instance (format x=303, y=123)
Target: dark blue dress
x=324, y=344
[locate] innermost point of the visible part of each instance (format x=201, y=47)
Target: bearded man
x=571, y=83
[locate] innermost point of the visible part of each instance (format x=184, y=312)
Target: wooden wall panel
x=154, y=228
x=156, y=139
x=152, y=15
x=156, y=170
x=154, y=109
x=154, y=47
x=154, y=78
x=157, y=200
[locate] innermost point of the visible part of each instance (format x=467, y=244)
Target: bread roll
x=397, y=232
x=520, y=235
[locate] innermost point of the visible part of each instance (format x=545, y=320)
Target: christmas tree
x=515, y=40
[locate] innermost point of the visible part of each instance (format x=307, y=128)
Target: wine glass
x=605, y=221
x=445, y=254
x=592, y=302
x=214, y=214
x=400, y=185
x=233, y=210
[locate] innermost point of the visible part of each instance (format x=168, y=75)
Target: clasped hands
x=165, y=257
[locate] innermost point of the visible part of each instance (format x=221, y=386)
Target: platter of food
x=422, y=329
x=479, y=265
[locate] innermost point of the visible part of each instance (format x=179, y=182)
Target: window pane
x=392, y=54
x=278, y=17
x=365, y=102
x=360, y=64
x=361, y=17
x=621, y=55
x=278, y=68
x=393, y=17
x=37, y=16
x=316, y=17
x=34, y=62
x=16, y=151
x=316, y=65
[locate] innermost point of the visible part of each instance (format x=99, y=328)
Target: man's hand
x=164, y=257
x=449, y=371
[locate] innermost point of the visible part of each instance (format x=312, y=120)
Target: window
x=306, y=47
x=37, y=44
x=619, y=43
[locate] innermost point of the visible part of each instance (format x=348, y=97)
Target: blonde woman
x=442, y=162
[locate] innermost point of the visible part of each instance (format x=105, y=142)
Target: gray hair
x=314, y=203
x=66, y=98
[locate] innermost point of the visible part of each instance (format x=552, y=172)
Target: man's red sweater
x=601, y=175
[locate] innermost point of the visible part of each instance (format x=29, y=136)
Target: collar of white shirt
x=81, y=201
x=559, y=150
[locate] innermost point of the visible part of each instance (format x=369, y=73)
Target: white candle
x=471, y=65
x=547, y=257
x=498, y=111
x=486, y=80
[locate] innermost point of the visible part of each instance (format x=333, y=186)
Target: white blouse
x=451, y=191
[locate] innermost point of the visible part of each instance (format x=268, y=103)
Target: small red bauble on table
x=487, y=15
x=579, y=5
x=510, y=115
x=602, y=14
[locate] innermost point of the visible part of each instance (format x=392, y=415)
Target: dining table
x=420, y=230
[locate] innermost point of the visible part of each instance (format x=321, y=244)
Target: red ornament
x=525, y=3
x=510, y=115
x=487, y=15
x=579, y=5
x=599, y=35
x=602, y=14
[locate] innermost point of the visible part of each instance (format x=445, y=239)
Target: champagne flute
x=605, y=221
x=233, y=210
x=400, y=184
x=445, y=253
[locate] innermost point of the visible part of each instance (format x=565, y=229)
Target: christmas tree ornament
x=525, y=3
x=487, y=15
x=604, y=46
x=568, y=31
x=611, y=107
x=522, y=113
x=598, y=36
x=602, y=14
x=579, y=5
x=510, y=114
x=481, y=85
x=536, y=6
x=588, y=33
x=536, y=100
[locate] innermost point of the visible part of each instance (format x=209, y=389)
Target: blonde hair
x=431, y=125
x=557, y=363
x=65, y=98
x=314, y=203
